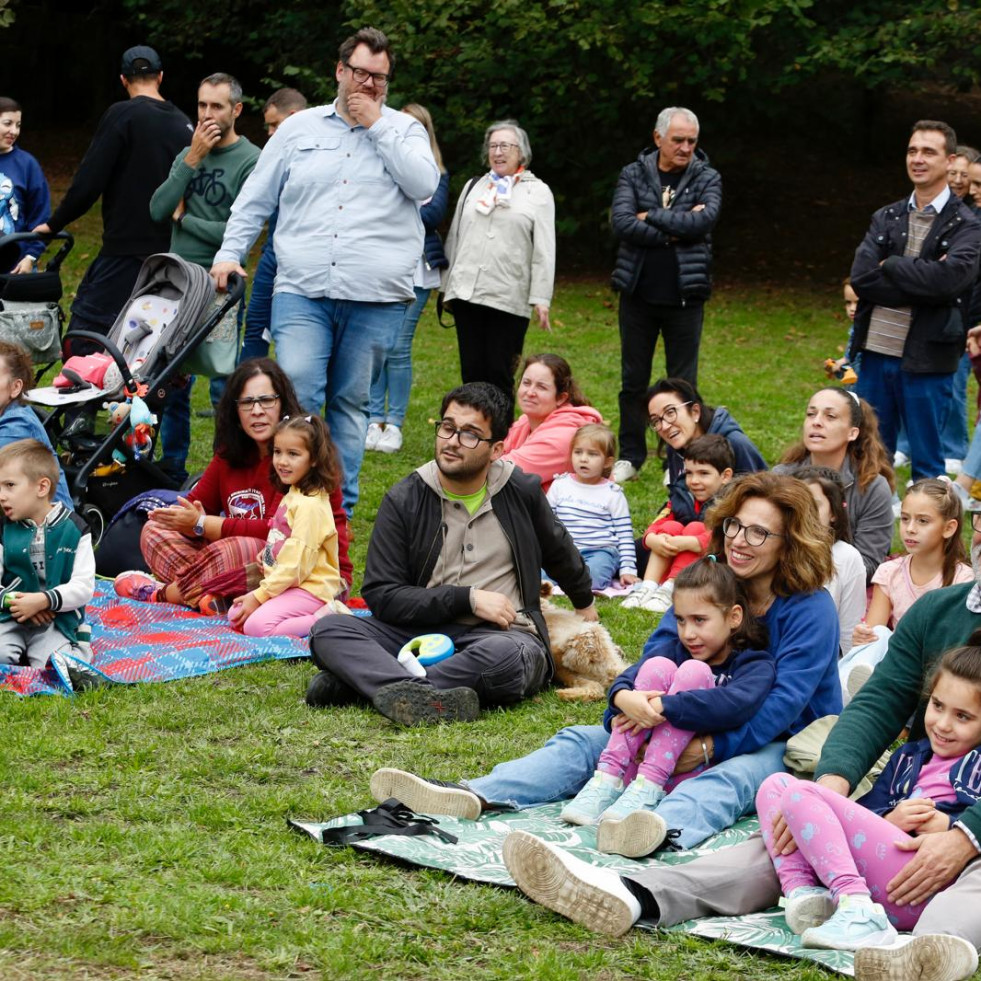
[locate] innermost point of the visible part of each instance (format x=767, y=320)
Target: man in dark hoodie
x=664, y=209
x=457, y=549
x=128, y=159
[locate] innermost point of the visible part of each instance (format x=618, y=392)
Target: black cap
x=141, y=60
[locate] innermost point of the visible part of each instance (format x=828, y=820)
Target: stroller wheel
x=96, y=521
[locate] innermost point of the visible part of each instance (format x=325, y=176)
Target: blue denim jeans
x=394, y=374
x=920, y=402
x=603, y=565
x=955, y=432
x=972, y=461
x=699, y=807
x=328, y=348
x=259, y=315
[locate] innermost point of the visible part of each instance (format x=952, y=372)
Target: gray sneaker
x=930, y=957
x=586, y=894
x=412, y=703
x=425, y=796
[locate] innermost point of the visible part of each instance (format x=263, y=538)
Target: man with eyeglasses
x=347, y=179
x=665, y=206
x=457, y=548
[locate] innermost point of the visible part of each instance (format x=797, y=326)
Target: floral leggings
x=841, y=844
x=664, y=742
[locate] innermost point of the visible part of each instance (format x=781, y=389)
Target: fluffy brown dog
x=586, y=659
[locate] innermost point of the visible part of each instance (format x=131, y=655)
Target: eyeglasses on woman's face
x=249, y=402
x=753, y=535
x=667, y=417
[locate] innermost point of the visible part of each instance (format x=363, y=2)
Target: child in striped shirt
x=593, y=508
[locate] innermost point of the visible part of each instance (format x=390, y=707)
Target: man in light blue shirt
x=348, y=180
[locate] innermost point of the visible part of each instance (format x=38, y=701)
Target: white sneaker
x=953, y=466
x=930, y=957
x=623, y=470
x=806, y=907
x=390, y=440
x=661, y=600
x=641, y=592
x=900, y=459
x=372, y=436
x=586, y=894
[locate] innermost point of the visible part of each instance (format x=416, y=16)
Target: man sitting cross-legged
x=457, y=548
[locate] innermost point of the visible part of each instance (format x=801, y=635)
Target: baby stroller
x=30, y=311
x=171, y=311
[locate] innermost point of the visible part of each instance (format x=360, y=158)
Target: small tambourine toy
x=423, y=651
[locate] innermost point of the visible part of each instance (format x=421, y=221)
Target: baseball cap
x=141, y=60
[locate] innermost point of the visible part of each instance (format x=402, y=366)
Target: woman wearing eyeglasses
x=841, y=431
x=501, y=249
x=768, y=531
x=220, y=526
x=677, y=415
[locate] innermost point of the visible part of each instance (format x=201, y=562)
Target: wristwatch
x=199, y=526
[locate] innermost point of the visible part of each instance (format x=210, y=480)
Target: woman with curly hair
x=841, y=431
x=767, y=530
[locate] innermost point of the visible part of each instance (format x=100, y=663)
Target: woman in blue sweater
x=767, y=531
x=395, y=375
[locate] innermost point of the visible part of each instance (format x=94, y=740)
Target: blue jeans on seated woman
x=700, y=807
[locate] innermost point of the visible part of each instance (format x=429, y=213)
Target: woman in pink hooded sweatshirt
x=553, y=408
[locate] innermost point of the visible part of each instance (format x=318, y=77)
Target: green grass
x=144, y=828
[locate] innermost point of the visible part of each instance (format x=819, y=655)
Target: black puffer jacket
x=677, y=227
x=937, y=284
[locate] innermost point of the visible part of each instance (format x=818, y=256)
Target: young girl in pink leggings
x=846, y=853
x=301, y=573
x=712, y=678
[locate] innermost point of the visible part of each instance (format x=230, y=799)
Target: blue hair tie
x=711, y=557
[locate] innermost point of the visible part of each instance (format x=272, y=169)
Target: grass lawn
x=145, y=827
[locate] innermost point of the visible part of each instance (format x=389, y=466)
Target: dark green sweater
x=873, y=719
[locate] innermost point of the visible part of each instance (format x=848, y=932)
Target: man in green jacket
x=735, y=881
x=197, y=198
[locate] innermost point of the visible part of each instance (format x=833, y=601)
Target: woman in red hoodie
x=553, y=408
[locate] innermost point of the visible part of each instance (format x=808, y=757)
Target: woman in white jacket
x=501, y=249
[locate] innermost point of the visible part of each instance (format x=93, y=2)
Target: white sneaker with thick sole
x=390, y=440
x=661, y=600
x=372, y=436
x=585, y=894
x=425, y=796
x=623, y=470
x=930, y=957
x=638, y=834
x=641, y=593
x=854, y=925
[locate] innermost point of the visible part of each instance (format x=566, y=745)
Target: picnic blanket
x=477, y=855
x=138, y=642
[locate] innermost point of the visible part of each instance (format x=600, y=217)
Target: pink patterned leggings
x=290, y=614
x=664, y=742
x=840, y=844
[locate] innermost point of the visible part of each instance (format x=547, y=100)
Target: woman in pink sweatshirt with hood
x=553, y=408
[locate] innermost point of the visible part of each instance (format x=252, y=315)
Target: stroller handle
x=129, y=382
x=236, y=289
x=66, y=238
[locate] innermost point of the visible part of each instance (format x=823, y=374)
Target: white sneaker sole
x=540, y=873
x=637, y=835
x=808, y=911
x=933, y=957
x=423, y=797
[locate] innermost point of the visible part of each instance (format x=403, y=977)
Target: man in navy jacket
x=913, y=274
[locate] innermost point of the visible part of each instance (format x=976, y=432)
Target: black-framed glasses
x=263, y=401
x=503, y=147
x=667, y=417
x=467, y=437
x=754, y=535
x=976, y=520
x=361, y=75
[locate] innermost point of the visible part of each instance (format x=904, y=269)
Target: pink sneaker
x=138, y=586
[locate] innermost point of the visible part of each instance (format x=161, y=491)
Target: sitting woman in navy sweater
x=766, y=529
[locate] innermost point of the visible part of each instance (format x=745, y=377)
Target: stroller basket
x=29, y=312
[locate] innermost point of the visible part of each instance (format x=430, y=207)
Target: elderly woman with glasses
x=768, y=531
x=217, y=529
x=501, y=250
